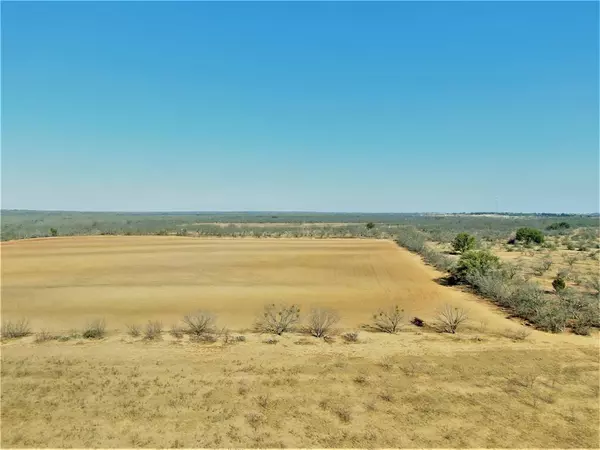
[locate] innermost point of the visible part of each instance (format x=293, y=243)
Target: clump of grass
x=450, y=319
x=321, y=321
x=360, y=379
x=134, y=330
x=16, y=329
x=388, y=321
x=44, y=336
x=278, y=319
x=207, y=338
x=96, y=329
x=271, y=341
x=517, y=335
x=153, y=331
x=350, y=336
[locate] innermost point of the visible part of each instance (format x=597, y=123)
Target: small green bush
x=474, y=262
x=370, y=226
x=559, y=283
x=463, y=242
x=529, y=235
x=53, y=232
x=96, y=329
x=558, y=226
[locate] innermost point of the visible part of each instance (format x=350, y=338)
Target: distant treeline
x=18, y=224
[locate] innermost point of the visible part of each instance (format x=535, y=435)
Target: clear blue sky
x=394, y=107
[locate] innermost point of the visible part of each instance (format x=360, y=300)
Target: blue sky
x=396, y=107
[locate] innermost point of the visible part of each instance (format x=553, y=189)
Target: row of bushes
x=503, y=284
x=275, y=319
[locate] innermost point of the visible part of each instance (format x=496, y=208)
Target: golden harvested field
x=486, y=386
x=63, y=282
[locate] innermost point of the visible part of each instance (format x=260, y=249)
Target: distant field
x=62, y=282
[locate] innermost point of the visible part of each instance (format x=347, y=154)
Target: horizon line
x=500, y=213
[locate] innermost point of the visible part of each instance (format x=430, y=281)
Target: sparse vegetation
x=95, y=329
x=17, y=329
x=451, y=318
x=320, y=322
x=134, y=330
x=199, y=323
x=44, y=336
x=153, y=330
x=388, y=320
x=278, y=319
x=350, y=336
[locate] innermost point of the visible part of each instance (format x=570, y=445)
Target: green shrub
x=53, y=232
x=474, y=262
x=370, y=226
x=559, y=283
x=463, y=242
x=529, y=235
x=558, y=226
x=95, y=329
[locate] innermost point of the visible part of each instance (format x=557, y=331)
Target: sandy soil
x=61, y=283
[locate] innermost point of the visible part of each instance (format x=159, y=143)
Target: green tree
x=370, y=225
x=53, y=232
x=529, y=235
x=474, y=262
x=463, y=242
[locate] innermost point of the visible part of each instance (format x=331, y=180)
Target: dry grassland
x=487, y=386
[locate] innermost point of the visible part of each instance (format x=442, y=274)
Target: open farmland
x=61, y=283
x=493, y=384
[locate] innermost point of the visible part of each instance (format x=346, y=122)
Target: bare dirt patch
x=61, y=283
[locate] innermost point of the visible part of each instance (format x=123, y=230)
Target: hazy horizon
x=372, y=107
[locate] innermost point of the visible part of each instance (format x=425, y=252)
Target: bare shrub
x=44, y=336
x=350, y=336
x=176, y=332
x=16, y=329
x=271, y=341
x=278, y=319
x=320, y=322
x=153, y=331
x=96, y=329
x=543, y=266
x=451, y=318
x=570, y=260
x=389, y=320
x=134, y=330
x=199, y=323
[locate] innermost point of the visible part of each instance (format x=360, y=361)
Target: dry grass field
x=486, y=386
